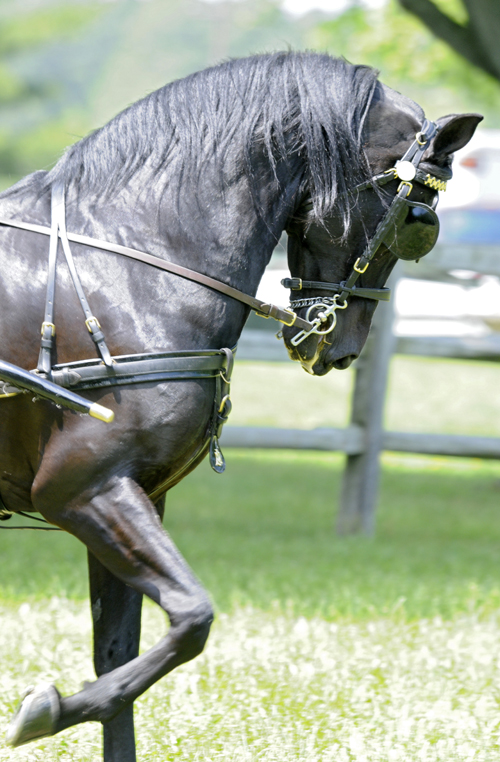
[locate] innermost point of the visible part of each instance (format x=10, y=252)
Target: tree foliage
x=474, y=34
x=26, y=81
x=411, y=59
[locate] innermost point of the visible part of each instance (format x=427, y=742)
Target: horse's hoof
x=36, y=715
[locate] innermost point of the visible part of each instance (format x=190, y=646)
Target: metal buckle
x=49, y=325
x=223, y=403
x=358, y=269
x=94, y=320
x=294, y=318
x=408, y=185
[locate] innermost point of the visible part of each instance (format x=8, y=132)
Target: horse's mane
x=306, y=104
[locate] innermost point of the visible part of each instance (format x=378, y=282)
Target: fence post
x=361, y=475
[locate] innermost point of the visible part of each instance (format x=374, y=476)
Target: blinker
x=409, y=230
x=415, y=233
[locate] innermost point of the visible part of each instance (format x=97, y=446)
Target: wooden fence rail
x=364, y=439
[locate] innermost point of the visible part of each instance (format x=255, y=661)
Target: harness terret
x=409, y=229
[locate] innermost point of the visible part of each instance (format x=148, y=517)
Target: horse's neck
x=230, y=243
x=143, y=308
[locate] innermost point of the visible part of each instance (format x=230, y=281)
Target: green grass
x=263, y=535
x=425, y=394
x=324, y=648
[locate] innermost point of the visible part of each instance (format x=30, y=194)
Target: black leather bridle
x=409, y=229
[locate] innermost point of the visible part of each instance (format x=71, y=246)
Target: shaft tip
x=102, y=413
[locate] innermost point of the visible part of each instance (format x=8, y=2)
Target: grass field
x=323, y=648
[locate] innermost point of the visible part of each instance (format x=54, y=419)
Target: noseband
x=408, y=229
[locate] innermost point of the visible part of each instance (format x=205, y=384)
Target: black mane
x=306, y=104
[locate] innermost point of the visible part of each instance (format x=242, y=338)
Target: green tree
x=410, y=59
x=29, y=91
x=470, y=27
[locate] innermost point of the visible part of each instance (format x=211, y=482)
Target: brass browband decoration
x=435, y=183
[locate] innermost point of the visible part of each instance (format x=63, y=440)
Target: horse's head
x=339, y=270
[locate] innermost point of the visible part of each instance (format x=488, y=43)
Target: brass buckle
x=90, y=320
x=408, y=185
x=223, y=403
x=294, y=318
x=49, y=325
x=358, y=269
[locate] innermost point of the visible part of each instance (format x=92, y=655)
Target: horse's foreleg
x=116, y=616
x=121, y=529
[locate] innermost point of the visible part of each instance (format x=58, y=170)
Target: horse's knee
x=191, y=632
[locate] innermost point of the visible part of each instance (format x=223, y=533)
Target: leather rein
x=263, y=309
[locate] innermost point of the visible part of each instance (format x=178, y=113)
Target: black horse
x=205, y=173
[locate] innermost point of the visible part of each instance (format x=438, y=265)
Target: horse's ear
x=456, y=131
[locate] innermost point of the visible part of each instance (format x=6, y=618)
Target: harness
x=409, y=229
x=60, y=383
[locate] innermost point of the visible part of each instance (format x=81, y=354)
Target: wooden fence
x=364, y=438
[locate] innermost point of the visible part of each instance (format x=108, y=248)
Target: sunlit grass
x=277, y=688
x=433, y=395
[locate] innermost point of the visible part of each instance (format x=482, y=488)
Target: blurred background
x=68, y=67
x=261, y=538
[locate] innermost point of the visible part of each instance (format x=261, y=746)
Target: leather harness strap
x=297, y=284
x=48, y=327
x=59, y=228
x=264, y=309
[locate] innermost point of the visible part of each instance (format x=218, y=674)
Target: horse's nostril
x=344, y=362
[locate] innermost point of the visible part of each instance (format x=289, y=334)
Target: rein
x=263, y=309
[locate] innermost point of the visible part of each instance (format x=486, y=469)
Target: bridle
x=61, y=383
x=409, y=229
x=391, y=231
